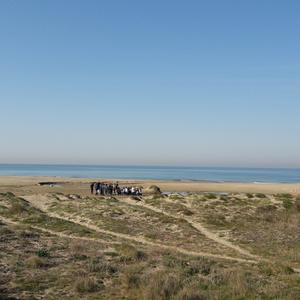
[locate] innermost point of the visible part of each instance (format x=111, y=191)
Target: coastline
x=81, y=184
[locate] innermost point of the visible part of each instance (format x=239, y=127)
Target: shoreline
x=81, y=184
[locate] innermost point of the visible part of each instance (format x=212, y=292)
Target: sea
x=210, y=174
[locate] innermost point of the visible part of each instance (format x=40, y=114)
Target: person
x=92, y=187
x=104, y=189
x=110, y=189
x=98, y=188
x=133, y=190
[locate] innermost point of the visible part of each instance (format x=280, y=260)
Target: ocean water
x=258, y=175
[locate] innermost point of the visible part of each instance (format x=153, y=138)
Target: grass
x=87, y=285
x=44, y=266
x=100, y=265
x=129, y=253
x=260, y=196
x=36, y=262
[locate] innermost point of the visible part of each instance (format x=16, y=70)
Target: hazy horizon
x=203, y=83
x=150, y=165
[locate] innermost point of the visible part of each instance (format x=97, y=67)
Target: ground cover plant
x=53, y=247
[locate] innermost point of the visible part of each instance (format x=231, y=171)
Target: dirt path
x=42, y=205
x=36, y=201
x=58, y=234
x=198, y=226
x=141, y=240
x=41, y=201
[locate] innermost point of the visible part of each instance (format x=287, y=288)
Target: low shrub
x=100, y=265
x=78, y=250
x=188, y=293
x=132, y=278
x=162, y=286
x=87, y=285
x=36, y=262
x=130, y=253
x=284, y=195
x=16, y=208
x=42, y=253
x=287, y=203
x=297, y=204
x=210, y=196
x=260, y=195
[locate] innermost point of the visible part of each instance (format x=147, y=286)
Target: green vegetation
x=42, y=265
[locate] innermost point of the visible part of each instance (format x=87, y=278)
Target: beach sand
x=81, y=185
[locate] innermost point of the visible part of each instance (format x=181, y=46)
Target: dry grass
x=78, y=249
x=36, y=262
x=85, y=284
x=162, y=286
x=74, y=269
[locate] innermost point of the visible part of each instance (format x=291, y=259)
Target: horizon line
x=147, y=165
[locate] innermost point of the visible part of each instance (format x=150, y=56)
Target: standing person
x=110, y=189
x=97, y=188
x=92, y=187
x=104, y=189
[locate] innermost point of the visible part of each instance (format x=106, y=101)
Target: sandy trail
x=37, y=202
x=58, y=234
x=41, y=201
x=198, y=226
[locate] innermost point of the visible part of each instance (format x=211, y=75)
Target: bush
x=188, y=293
x=162, y=286
x=132, y=278
x=36, y=262
x=297, y=204
x=210, y=196
x=42, y=253
x=224, y=198
x=17, y=208
x=78, y=249
x=260, y=195
x=129, y=253
x=87, y=285
x=201, y=266
x=102, y=266
x=284, y=195
x=287, y=203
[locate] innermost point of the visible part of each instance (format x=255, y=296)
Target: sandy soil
x=80, y=185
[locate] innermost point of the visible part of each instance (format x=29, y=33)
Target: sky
x=195, y=83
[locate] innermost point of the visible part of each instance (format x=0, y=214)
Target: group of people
x=102, y=188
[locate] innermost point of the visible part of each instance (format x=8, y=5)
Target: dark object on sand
x=49, y=183
x=152, y=190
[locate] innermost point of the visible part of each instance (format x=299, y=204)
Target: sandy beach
x=80, y=185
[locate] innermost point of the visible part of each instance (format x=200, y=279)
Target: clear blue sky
x=207, y=83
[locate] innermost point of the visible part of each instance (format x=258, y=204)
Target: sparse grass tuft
x=287, y=203
x=210, y=196
x=78, y=249
x=162, y=286
x=42, y=253
x=99, y=265
x=260, y=195
x=17, y=209
x=36, y=262
x=297, y=204
x=189, y=293
x=132, y=278
x=87, y=285
x=129, y=253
